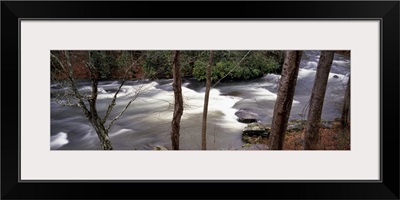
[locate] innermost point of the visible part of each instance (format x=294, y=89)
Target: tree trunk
x=98, y=125
x=317, y=100
x=178, y=105
x=205, y=109
x=345, y=121
x=284, y=101
x=102, y=134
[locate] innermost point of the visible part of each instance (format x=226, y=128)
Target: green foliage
x=102, y=62
x=158, y=64
x=106, y=61
x=255, y=64
x=188, y=60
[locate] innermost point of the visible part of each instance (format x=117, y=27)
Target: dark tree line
x=157, y=64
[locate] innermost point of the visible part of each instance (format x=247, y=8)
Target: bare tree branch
x=64, y=70
x=232, y=69
x=137, y=93
x=259, y=106
x=112, y=104
x=67, y=102
x=74, y=88
x=77, y=94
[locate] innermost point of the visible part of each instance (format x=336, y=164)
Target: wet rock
x=256, y=129
x=335, y=76
x=294, y=128
x=247, y=117
x=251, y=139
x=232, y=93
x=299, y=125
x=159, y=148
x=326, y=124
x=296, y=125
x=247, y=145
x=247, y=120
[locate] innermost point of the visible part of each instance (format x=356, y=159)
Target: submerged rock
x=247, y=117
x=159, y=148
x=247, y=120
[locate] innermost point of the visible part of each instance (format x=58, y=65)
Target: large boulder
x=247, y=120
x=256, y=129
x=247, y=117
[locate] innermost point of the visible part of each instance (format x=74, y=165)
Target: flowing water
x=146, y=123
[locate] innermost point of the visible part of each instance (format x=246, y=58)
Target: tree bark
x=178, y=105
x=205, y=108
x=284, y=101
x=345, y=121
x=102, y=133
x=317, y=100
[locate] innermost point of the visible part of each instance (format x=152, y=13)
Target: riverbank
x=332, y=137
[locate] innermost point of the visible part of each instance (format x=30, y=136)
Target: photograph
x=200, y=100
x=297, y=99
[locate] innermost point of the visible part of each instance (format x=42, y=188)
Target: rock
x=247, y=120
x=295, y=125
x=232, y=93
x=299, y=125
x=256, y=129
x=247, y=145
x=326, y=124
x=160, y=148
x=247, y=117
x=251, y=139
x=335, y=76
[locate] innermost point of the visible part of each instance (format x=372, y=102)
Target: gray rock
x=256, y=129
x=247, y=120
x=326, y=124
x=250, y=139
x=160, y=148
x=245, y=116
x=296, y=125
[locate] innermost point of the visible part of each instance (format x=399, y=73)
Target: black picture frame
x=386, y=11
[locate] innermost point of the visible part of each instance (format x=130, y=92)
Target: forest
x=200, y=100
